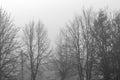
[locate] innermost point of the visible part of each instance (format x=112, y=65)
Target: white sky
x=53, y=13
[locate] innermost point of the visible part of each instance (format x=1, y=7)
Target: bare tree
x=76, y=41
x=89, y=42
x=36, y=41
x=82, y=44
x=22, y=64
x=8, y=46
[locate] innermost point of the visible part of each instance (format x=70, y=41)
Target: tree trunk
x=63, y=77
x=106, y=77
x=33, y=77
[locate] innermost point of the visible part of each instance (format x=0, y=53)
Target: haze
x=53, y=13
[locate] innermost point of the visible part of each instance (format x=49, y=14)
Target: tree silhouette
x=8, y=46
x=37, y=46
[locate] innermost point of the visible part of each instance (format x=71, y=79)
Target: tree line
x=88, y=48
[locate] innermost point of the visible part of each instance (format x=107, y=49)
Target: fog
x=53, y=13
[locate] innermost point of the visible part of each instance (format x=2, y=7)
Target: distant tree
x=63, y=62
x=37, y=46
x=8, y=46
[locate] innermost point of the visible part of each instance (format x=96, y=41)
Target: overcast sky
x=53, y=13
